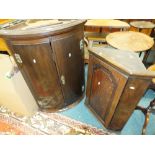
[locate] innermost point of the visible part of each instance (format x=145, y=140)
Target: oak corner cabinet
x=49, y=54
x=116, y=82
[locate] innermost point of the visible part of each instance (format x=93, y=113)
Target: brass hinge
x=63, y=79
x=18, y=58
x=81, y=44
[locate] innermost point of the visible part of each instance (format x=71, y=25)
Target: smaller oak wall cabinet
x=49, y=54
x=116, y=82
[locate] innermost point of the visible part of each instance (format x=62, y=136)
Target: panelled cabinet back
x=51, y=61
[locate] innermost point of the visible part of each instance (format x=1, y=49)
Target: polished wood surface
x=130, y=41
x=52, y=65
x=142, y=24
x=40, y=23
x=21, y=30
x=40, y=71
x=112, y=92
x=125, y=60
x=104, y=88
x=70, y=63
x=107, y=23
x=128, y=101
x=96, y=30
x=145, y=27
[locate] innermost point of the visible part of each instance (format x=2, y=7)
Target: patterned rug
x=43, y=123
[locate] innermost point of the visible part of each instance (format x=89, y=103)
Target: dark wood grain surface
x=40, y=71
x=70, y=63
x=52, y=64
x=113, y=94
x=18, y=31
x=128, y=101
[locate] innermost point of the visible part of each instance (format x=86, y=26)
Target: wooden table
x=131, y=41
x=110, y=23
x=99, y=24
x=142, y=25
x=145, y=27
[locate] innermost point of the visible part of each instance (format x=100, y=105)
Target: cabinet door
x=106, y=85
x=70, y=63
x=40, y=72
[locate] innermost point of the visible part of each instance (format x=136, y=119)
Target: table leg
x=147, y=118
x=146, y=113
x=140, y=53
x=143, y=110
x=139, y=29
x=146, y=56
x=100, y=31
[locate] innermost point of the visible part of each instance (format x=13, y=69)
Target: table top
x=37, y=28
x=40, y=23
x=142, y=24
x=125, y=60
x=130, y=41
x=107, y=23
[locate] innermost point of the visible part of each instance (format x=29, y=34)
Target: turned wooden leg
x=147, y=118
x=144, y=110
x=152, y=103
x=147, y=111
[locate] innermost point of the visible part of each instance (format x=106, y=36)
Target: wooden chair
x=99, y=37
x=92, y=41
x=150, y=109
x=96, y=36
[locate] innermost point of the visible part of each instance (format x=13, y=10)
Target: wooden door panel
x=105, y=85
x=102, y=91
x=69, y=58
x=41, y=72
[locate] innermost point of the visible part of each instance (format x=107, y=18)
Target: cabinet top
x=125, y=60
x=32, y=28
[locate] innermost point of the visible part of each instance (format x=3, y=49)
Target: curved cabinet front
x=53, y=67
x=70, y=64
x=36, y=64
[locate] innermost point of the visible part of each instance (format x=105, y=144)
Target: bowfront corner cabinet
x=49, y=54
x=116, y=82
